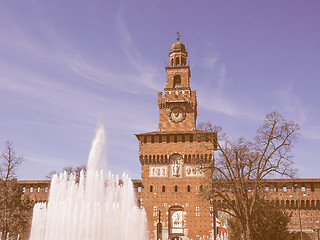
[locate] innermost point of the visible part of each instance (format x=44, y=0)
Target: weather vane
x=178, y=36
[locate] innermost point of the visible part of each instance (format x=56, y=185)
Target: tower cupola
x=178, y=55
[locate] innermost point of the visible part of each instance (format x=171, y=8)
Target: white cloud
x=303, y=113
x=215, y=96
x=147, y=73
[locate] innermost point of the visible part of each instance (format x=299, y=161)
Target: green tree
x=241, y=166
x=15, y=211
x=269, y=222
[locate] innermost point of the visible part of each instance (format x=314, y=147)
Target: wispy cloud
x=219, y=98
x=302, y=113
x=146, y=73
x=46, y=160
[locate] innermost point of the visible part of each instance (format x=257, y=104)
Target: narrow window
x=201, y=188
x=31, y=189
x=176, y=188
x=285, y=189
x=139, y=189
x=188, y=188
x=38, y=189
x=312, y=187
x=145, y=139
x=46, y=189
x=24, y=189
x=163, y=188
x=176, y=81
x=151, y=188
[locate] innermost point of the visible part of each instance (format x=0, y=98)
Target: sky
x=66, y=65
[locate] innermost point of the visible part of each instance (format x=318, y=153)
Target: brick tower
x=173, y=157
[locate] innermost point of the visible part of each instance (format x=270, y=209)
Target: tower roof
x=178, y=46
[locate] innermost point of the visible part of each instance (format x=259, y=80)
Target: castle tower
x=173, y=158
x=178, y=107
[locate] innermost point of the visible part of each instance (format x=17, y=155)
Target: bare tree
x=9, y=162
x=15, y=211
x=241, y=167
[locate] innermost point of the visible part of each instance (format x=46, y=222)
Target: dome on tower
x=178, y=55
x=178, y=47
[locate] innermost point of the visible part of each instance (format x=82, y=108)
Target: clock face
x=177, y=114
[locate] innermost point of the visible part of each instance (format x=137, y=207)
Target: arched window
x=292, y=204
x=177, y=61
x=308, y=204
x=176, y=81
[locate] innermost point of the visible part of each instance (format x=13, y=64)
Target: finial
x=178, y=36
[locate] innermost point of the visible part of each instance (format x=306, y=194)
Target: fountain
x=92, y=207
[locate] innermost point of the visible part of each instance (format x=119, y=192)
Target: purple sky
x=66, y=64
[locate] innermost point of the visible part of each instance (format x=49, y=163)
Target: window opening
x=312, y=187
x=176, y=81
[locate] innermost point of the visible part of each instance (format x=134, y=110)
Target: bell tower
x=173, y=158
x=178, y=106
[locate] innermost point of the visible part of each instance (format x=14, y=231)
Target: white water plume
x=90, y=207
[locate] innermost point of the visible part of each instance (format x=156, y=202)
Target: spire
x=178, y=54
x=178, y=36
